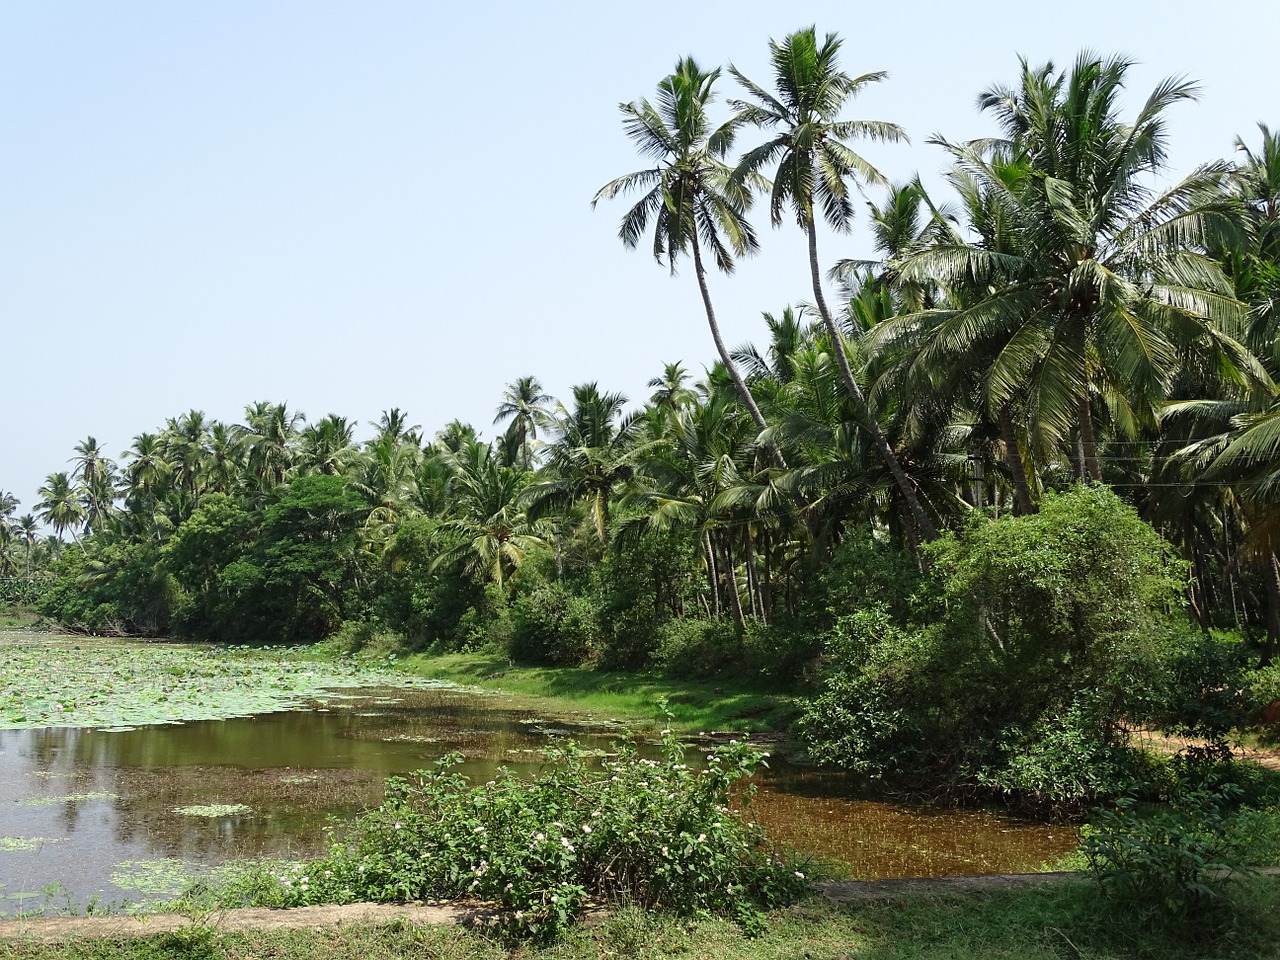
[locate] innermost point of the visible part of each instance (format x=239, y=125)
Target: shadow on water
x=79, y=802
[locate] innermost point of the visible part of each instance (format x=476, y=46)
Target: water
x=98, y=812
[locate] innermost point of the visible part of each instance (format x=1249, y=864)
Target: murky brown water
x=100, y=799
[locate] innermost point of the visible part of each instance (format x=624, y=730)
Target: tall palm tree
x=59, y=506
x=394, y=423
x=524, y=404
x=1106, y=292
x=689, y=197
x=815, y=169
x=28, y=529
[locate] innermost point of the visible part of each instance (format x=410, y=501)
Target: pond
x=126, y=814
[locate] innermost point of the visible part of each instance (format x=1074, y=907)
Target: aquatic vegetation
x=67, y=798
x=213, y=810
x=157, y=878
x=23, y=844
x=76, y=682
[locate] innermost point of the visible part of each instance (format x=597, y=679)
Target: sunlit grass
x=644, y=700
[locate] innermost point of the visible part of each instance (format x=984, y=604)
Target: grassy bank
x=1067, y=920
x=725, y=704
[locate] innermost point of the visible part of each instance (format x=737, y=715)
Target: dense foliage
x=652, y=833
x=1014, y=491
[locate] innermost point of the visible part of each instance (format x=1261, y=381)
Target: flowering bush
x=650, y=832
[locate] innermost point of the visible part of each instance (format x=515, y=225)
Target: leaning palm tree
x=690, y=197
x=815, y=169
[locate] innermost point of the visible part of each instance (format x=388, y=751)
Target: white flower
x=478, y=830
x=519, y=914
x=398, y=826
x=586, y=828
x=702, y=838
x=799, y=874
x=555, y=899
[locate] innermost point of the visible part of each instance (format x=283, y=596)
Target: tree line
x=1056, y=321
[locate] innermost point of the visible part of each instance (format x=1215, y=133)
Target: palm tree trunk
x=1088, y=443
x=1273, y=609
x=1022, y=505
x=744, y=394
x=918, y=516
x=713, y=578
x=731, y=581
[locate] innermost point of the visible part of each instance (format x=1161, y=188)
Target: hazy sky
x=352, y=206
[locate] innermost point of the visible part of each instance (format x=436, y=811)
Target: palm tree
x=326, y=446
x=815, y=168
x=28, y=529
x=58, y=505
x=494, y=532
x=690, y=197
x=670, y=392
x=523, y=403
x=268, y=434
x=1104, y=293
x=589, y=458
x=394, y=423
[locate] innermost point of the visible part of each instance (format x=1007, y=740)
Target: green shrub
x=552, y=624
x=779, y=652
x=1175, y=867
x=689, y=647
x=633, y=830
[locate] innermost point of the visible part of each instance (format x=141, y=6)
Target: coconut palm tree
x=326, y=446
x=814, y=175
x=494, y=532
x=689, y=196
x=59, y=506
x=269, y=433
x=28, y=530
x=1105, y=292
x=670, y=391
x=524, y=404
x=590, y=457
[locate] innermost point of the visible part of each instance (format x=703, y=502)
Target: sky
x=350, y=207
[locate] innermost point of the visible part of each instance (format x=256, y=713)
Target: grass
x=16, y=617
x=694, y=706
x=1053, y=922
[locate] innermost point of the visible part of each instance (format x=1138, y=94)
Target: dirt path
x=119, y=927
x=1162, y=743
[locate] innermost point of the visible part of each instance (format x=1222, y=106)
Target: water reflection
x=99, y=798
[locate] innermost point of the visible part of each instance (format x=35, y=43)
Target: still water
x=93, y=811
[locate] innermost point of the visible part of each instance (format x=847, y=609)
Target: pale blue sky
x=353, y=206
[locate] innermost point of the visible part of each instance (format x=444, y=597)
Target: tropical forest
x=987, y=520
